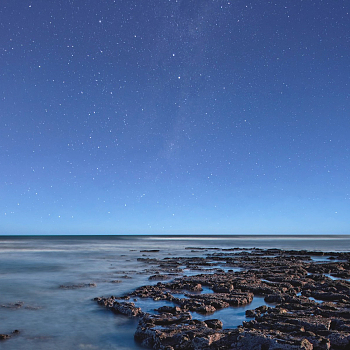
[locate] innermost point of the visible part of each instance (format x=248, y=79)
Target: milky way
x=145, y=117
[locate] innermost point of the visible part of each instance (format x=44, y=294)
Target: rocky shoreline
x=309, y=292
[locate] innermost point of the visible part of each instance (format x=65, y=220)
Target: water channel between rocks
x=231, y=317
x=48, y=285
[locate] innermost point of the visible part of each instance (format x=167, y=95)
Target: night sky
x=174, y=116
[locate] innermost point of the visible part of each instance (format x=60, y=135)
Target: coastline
x=307, y=301
x=180, y=236
x=245, y=280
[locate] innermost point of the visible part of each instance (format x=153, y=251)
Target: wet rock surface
x=77, y=286
x=13, y=306
x=18, y=305
x=310, y=292
x=160, y=277
x=8, y=336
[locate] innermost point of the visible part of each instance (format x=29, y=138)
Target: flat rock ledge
x=310, y=310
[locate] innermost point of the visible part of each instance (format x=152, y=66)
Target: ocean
x=47, y=283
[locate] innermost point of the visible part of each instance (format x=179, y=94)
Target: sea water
x=47, y=283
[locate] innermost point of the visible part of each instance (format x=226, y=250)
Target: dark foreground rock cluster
x=309, y=301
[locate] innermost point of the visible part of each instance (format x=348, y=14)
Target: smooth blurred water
x=32, y=269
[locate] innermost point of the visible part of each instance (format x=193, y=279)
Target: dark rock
x=8, y=336
x=149, y=251
x=14, y=306
x=126, y=308
x=286, y=278
x=77, y=286
x=159, y=277
x=264, y=341
x=223, y=288
x=274, y=298
x=214, y=323
x=206, y=309
x=250, y=313
x=169, y=309
x=4, y=336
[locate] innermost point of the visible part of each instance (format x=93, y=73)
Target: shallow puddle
x=267, y=281
x=332, y=277
x=317, y=300
x=210, y=269
x=337, y=278
x=149, y=305
x=184, y=295
x=231, y=317
x=325, y=258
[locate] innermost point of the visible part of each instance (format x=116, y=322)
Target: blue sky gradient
x=174, y=117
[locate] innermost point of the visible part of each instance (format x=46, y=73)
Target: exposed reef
x=77, y=286
x=308, y=295
x=8, y=336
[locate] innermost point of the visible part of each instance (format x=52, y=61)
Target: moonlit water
x=32, y=269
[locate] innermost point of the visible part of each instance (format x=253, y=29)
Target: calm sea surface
x=34, y=269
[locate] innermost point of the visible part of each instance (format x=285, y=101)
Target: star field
x=148, y=117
